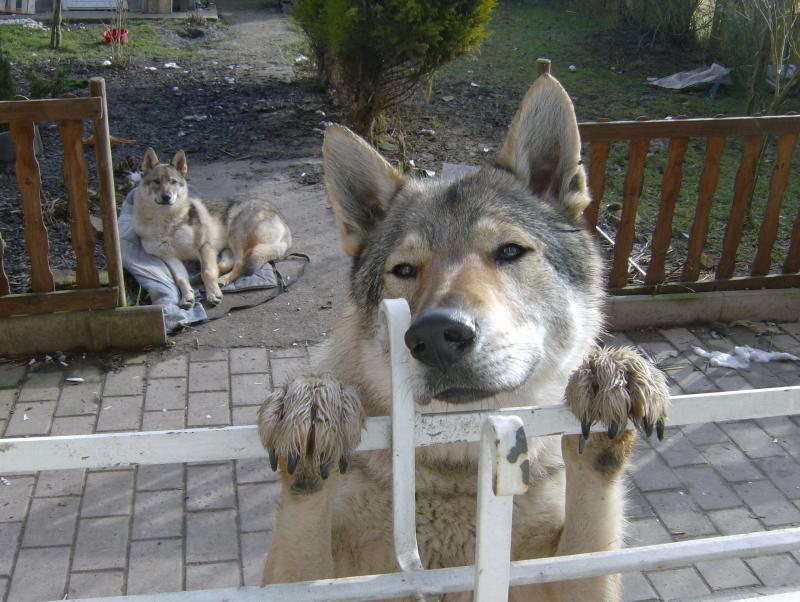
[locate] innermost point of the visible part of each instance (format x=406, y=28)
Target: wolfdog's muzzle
x=440, y=337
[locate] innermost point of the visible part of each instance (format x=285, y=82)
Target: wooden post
x=542, y=66
x=597, y=179
x=105, y=175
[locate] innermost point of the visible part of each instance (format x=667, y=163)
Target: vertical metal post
x=503, y=472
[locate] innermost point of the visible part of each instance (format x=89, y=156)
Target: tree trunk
x=762, y=60
x=55, y=28
x=717, y=20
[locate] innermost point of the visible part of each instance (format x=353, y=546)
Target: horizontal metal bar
x=458, y=579
x=111, y=450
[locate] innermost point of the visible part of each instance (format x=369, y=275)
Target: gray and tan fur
x=177, y=226
x=504, y=285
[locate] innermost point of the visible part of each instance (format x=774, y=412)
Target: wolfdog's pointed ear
x=179, y=163
x=150, y=160
x=543, y=146
x=360, y=184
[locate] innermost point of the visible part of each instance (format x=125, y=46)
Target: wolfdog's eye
x=509, y=252
x=173, y=181
x=404, y=270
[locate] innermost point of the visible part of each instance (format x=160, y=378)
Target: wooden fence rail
x=21, y=114
x=716, y=131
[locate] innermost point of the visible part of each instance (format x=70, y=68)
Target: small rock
x=572, y=68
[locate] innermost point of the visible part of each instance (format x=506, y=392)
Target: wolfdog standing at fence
x=504, y=285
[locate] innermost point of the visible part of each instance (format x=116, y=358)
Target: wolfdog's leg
x=309, y=427
x=612, y=386
x=209, y=271
x=181, y=277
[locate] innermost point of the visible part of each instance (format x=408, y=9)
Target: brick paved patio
x=162, y=528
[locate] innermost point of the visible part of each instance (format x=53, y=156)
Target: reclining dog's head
x=500, y=274
x=164, y=183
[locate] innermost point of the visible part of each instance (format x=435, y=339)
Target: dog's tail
x=261, y=253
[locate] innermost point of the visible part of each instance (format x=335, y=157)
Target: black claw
x=648, y=426
x=273, y=460
x=291, y=462
x=344, y=461
x=613, y=429
x=581, y=444
x=585, y=428
x=660, y=430
x=324, y=470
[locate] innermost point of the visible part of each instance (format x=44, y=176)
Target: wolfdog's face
x=502, y=278
x=162, y=183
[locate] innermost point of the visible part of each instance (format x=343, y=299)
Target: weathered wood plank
x=76, y=178
x=739, y=283
x=56, y=109
x=631, y=192
x=742, y=188
x=5, y=288
x=598, y=158
x=691, y=128
x=108, y=203
x=670, y=187
x=30, y=185
x=706, y=189
x=792, y=263
x=777, y=188
x=41, y=303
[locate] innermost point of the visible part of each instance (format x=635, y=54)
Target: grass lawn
x=522, y=31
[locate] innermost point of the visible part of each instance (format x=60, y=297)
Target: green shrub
x=375, y=53
x=6, y=82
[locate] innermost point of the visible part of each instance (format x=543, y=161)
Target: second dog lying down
x=177, y=226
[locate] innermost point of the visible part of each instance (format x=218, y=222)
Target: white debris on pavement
x=742, y=356
x=171, y=66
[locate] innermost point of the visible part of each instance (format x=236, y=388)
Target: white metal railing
x=498, y=481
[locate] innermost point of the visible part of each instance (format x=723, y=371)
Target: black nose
x=441, y=336
x=166, y=198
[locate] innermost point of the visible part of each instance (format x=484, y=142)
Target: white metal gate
x=498, y=482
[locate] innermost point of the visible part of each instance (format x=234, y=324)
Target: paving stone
x=127, y=381
x=245, y=415
x=732, y=382
x=249, y=389
x=164, y=420
x=31, y=418
x=731, y=463
x=9, y=543
x=257, y=503
x=735, y=520
x=677, y=584
x=155, y=566
x=752, y=439
x=72, y=425
x=120, y=414
x=108, y=493
x=211, y=536
x=96, y=584
x=784, y=473
x=295, y=351
x=760, y=376
x=53, y=483
x=159, y=476
x=650, y=473
x=3, y=587
x=87, y=369
x=11, y=375
x=101, y=543
x=677, y=450
x=165, y=394
x=212, y=576
x=41, y=386
x=40, y=574
x=645, y=532
x=635, y=588
x=80, y=399
x=703, y=434
x=208, y=376
x=135, y=358
x=726, y=574
x=208, y=409
x=174, y=367
x=680, y=514
x=775, y=571
x=209, y=355
x=51, y=521
x=283, y=369
x=792, y=445
x=7, y=399
x=15, y=497
x=680, y=338
x=158, y=514
x=779, y=426
x=245, y=360
x=767, y=503
x=257, y=470
x=254, y=554
x=707, y=488
x=210, y=487
x=692, y=380
x=793, y=328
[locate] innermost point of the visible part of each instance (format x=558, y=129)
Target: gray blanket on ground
x=154, y=276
